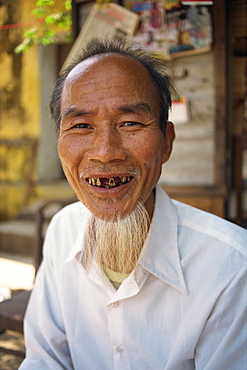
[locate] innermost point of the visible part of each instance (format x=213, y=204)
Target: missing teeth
x=109, y=183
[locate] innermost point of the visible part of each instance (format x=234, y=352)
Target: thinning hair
x=156, y=66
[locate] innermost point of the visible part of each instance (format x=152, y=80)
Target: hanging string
x=19, y=25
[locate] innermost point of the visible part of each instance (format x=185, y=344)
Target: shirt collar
x=160, y=255
x=78, y=246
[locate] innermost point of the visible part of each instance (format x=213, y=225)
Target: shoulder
x=206, y=226
x=69, y=221
x=69, y=210
x=212, y=250
x=69, y=214
x=64, y=229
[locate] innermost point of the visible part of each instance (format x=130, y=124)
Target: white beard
x=117, y=244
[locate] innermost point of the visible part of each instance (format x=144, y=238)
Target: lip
x=106, y=174
x=109, y=171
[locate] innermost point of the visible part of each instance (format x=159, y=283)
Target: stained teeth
x=112, y=182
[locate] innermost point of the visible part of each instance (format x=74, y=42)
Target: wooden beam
x=220, y=71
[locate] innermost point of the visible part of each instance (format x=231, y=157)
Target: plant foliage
x=50, y=22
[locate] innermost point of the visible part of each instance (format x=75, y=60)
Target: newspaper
x=107, y=20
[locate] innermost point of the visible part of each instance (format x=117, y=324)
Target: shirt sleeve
x=222, y=344
x=45, y=337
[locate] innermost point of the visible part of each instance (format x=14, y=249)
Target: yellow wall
x=20, y=112
x=20, y=115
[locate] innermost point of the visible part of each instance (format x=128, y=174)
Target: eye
x=82, y=125
x=131, y=123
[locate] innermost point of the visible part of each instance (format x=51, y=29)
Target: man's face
x=110, y=143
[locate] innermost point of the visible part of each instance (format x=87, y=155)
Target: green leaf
x=45, y=3
x=52, y=18
x=25, y=45
x=64, y=20
x=31, y=32
x=68, y=4
x=47, y=38
x=44, y=33
x=39, y=12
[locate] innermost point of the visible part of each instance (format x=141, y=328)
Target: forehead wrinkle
x=132, y=108
x=74, y=112
x=127, y=108
x=76, y=82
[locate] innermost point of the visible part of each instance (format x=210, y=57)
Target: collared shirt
x=183, y=307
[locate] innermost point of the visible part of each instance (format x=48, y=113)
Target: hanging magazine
x=151, y=32
x=189, y=27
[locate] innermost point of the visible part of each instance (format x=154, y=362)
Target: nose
x=107, y=146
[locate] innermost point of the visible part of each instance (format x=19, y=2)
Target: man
x=130, y=279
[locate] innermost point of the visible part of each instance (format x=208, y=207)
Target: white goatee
x=117, y=244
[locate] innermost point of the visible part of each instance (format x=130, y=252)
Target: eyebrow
x=128, y=108
x=74, y=112
x=132, y=108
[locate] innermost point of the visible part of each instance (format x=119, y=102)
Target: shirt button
x=119, y=349
x=115, y=304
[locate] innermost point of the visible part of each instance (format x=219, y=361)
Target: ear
x=169, y=137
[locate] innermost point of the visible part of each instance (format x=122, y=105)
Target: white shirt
x=183, y=307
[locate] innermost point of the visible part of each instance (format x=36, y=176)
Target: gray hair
x=156, y=66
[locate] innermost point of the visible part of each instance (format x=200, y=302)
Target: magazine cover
x=151, y=32
x=189, y=27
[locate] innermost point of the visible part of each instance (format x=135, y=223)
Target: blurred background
x=205, y=44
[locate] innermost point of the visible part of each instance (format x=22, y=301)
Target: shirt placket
x=116, y=323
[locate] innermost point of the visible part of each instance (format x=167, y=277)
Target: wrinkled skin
x=110, y=135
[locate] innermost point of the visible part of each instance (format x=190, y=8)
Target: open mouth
x=106, y=183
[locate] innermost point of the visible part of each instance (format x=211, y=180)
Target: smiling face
x=110, y=143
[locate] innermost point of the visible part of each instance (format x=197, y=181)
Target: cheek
x=69, y=149
x=149, y=156
x=151, y=152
